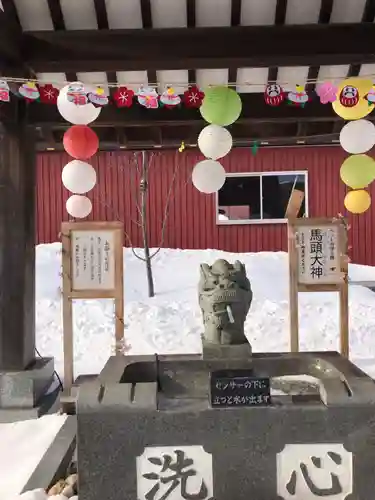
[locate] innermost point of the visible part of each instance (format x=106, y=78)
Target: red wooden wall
x=191, y=219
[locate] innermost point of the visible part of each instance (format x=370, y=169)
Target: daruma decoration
x=221, y=106
x=78, y=206
x=78, y=177
x=208, y=176
x=358, y=136
x=353, y=92
x=80, y=142
x=215, y=141
x=357, y=202
x=358, y=171
x=74, y=113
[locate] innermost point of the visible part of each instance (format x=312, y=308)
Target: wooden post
x=344, y=294
x=86, y=247
x=293, y=290
x=67, y=307
x=119, y=292
x=17, y=248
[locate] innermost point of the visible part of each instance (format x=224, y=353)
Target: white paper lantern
x=78, y=115
x=78, y=176
x=358, y=136
x=78, y=206
x=215, y=141
x=208, y=176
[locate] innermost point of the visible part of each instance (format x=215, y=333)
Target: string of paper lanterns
x=81, y=143
x=357, y=137
x=221, y=107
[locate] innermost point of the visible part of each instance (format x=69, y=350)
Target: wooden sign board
x=92, y=266
x=318, y=262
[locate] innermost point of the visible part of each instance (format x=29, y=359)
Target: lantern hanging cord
x=247, y=84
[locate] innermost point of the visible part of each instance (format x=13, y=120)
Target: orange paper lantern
x=80, y=142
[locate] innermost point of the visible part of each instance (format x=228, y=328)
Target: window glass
x=262, y=197
x=239, y=198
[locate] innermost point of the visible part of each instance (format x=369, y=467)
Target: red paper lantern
x=80, y=142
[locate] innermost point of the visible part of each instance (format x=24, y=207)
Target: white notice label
x=93, y=260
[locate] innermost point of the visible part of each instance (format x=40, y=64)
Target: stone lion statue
x=225, y=297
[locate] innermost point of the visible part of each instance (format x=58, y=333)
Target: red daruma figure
x=274, y=94
x=349, y=96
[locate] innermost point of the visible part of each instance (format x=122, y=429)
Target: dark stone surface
x=25, y=394
x=23, y=389
x=226, y=352
x=47, y=404
x=117, y=421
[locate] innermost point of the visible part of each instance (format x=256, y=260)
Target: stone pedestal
x=23, y=379
x=150, y=418
x=226, y=352
x=24, y=394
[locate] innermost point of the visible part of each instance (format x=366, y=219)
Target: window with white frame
x=262, y=197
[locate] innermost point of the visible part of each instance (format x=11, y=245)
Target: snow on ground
x=22, y=445
x=171, y=321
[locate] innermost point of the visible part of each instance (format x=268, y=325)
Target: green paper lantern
x=358, y=171
x=221, y=106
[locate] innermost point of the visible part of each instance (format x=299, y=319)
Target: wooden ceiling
x=245, y=44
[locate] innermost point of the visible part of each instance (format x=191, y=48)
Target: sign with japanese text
x=175, y=473
x=303, y=471
x=319, y=255
x=312, y=471
x=92, y=260
x=239, y=388
x=318, y=262
x=92, y=268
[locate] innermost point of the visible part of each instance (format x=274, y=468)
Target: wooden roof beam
x=58, y=22
x=11, y=38
x=325, y=13
x=191, y=23
x=320, y=139
x=146, y=14
x=236, y=6
x=367, y=17
x=102, y=22
x=200, y=48
x=280, y=14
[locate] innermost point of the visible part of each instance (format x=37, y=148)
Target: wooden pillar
x=17, y=244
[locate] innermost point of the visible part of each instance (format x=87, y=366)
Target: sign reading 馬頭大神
x=318, y=262
x=319, y=252
x=93, y=260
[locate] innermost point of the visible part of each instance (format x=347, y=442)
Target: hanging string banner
x=148, y=96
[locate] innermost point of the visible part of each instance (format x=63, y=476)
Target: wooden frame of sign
x=92, y=268
x=318, y=262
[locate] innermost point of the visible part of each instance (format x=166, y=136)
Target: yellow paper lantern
x=357, y=202
x=358, y=171
x=363, y=108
